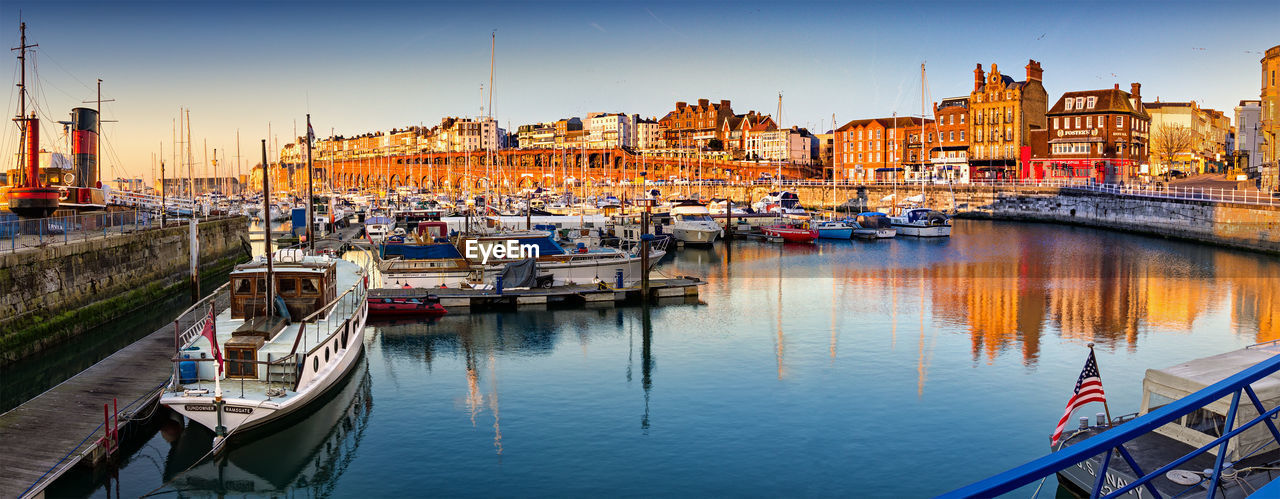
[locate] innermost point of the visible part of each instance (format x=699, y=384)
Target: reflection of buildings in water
x=995, y=302
x=308, y=455
x=1255, y=289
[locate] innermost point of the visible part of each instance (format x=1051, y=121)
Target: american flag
x=1088, y=389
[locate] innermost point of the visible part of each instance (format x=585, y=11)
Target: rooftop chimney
x=978, y=78
x=703, y=102
x=1117, y=87
x=680, y=105
x=1135, y=91
x=724, y=103
x=1033, y=71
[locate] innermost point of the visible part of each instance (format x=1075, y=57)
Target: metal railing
x=1112, y=441
x=175, y=205
x=36, y=232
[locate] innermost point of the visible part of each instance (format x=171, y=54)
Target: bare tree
x=1168, y=141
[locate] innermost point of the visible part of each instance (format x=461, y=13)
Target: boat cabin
x=1163, y=386
x=874, y=220
x=304, y=286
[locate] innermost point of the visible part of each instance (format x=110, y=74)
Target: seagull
x=1041, y=36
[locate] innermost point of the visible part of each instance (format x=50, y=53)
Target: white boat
x=378, y=227
x=922, y=222
x=721, y=207
x=691, y=223
x=278, y=362
x=784, y=203
x=874, y=225
x=448, y=264
x=1250, y=456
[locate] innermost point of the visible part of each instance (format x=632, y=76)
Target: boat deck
x=49, y=434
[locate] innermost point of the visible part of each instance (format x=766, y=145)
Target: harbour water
x=893, y=368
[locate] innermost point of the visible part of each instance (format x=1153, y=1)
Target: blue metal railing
x=1107, y=442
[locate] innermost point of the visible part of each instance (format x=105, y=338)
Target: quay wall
x=1247, y=226
x=57, y=292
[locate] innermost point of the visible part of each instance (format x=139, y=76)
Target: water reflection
x=307, y=455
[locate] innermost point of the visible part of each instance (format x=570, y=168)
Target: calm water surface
x=898, y=368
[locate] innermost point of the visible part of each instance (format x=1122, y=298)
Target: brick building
x=694, y=126
x=870, y=149
x=1270, y=125
x=1002, y=114
x=1095, y=134
x=949, y=147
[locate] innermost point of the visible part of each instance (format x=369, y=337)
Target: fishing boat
x=692, y=223
x=279, y=357
x=922, y=222
x=790, y=234
x=1250, y=458
x=834, y=229
x=874, y=225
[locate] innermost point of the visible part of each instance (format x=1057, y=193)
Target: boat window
x=261, y=285
x=310, y=286
x=1204, y=421
x=1156, y=401
x=244, y=286
x=288, y=287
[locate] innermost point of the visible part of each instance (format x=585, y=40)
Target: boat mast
x=311, y=239
x=22, y=99
x=266, y=225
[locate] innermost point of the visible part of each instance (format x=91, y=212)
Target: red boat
x=791, y=234
x=404, y=306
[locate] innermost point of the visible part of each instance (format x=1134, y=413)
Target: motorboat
x=790, y=234
x=834, y=229
x=874, y=225
x=691, y=223
x=405, y=306
x=783, y=203
x=377, y=228
x=280, y=357
x=1250, y=457
x=922, y=222
x=476, y=259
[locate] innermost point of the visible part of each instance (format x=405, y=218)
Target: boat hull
x=562, y=273
x=875, y=233
x=845, y=233
x=923, y=230
x=241, y=415
x=792, y=235
x=696, y=235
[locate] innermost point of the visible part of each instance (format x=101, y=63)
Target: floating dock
x=62, y=427
x=461, y=300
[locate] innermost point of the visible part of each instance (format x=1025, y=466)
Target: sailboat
x=922, y=222
x=294, y=328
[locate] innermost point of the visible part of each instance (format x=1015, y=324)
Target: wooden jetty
x=62, y=427
x=463, y=300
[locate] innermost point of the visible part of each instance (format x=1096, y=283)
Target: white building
x=1249, y=131
x=609, y=130
x=791, y=145
x=648, y=134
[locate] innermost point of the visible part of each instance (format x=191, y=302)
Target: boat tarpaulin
x=420, y=251
x=520, y=274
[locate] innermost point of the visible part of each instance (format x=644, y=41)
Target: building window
x=1092, y=100
x=962, y=119
x=1088, y=120
x=1070, y=103
x=1119, y=121
x=952, y=136
x=1077, y=122
x=962, y=134
x=1079, y=102
x=877, y=134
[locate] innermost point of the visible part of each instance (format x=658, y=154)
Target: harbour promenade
x=64, y=426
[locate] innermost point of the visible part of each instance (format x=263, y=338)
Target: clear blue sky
x=359, y=66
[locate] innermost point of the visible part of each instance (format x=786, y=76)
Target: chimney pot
x=703, y=102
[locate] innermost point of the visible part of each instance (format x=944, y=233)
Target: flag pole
x=220, y=431
x=1105, y=408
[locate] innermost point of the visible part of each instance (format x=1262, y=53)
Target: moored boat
x=791, y=234
x=280, y=357
x=922, y=222
x=692, y=223
x=834, y=229
x=874, y=225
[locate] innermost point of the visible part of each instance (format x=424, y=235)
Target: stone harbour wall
x=60, y=291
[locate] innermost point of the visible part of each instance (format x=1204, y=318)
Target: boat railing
x=342, y=304
x=1112, y=441
x=195, y=318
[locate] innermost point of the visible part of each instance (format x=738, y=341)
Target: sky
x=258, y=68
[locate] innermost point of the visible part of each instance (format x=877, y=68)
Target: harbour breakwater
x=60, y=291
x=1252, y=226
